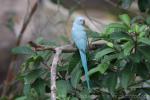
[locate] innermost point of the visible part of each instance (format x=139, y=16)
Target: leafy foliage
x=120, y=69
x=143, y=5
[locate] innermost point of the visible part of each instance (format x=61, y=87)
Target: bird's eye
x=81, y=20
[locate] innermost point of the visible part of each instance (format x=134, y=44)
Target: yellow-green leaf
x=125, y=18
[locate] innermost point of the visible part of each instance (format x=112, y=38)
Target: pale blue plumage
x=80, y=38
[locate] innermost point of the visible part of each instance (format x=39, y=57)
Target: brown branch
x=26, y=22
x=11, y=74
x=53, y=72
x=66, y=48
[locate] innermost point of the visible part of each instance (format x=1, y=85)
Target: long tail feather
x=84, y=64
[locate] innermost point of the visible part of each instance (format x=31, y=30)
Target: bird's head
x=79, y=20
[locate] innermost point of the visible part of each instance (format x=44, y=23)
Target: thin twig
x=46, y=66
x=26, y=22
x=139, y=82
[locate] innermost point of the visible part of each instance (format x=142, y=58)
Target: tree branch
x=53, y=72
x=66, y=48
x=10, y=73
x=26, y=22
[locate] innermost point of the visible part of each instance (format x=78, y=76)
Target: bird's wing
x=80, y=39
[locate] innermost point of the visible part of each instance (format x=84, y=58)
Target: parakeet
x=79, y=36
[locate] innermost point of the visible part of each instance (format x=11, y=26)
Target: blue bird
x=79, y=36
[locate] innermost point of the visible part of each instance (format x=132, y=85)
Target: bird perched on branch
x=79, y=36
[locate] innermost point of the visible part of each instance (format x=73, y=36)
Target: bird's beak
x=83, y=22
x=86, y=26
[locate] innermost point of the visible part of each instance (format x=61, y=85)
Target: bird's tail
x=84, y=64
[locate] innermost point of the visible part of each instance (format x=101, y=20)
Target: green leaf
x=127, y=48
x=32, y=63
x=115, y=27
x=143, y=28
x=33, y=75
x=73, y=61
x=119, y=35
x=142, y=71
x=74, y=98
x=125, y=76
x=75, y=76
x=136, y=57
x=112, y=82
x=93, y=70
x=39, y=86
x=103, y=67
x=62, y=88
x=33, y=94
x=136, y=28
x=148, y=20
x=148, y=66
x=100, y=68
x=126, y=19
x=110, y=57
x=44, y=54
x=21, y=98
x=145, y=50
x=146, y=90
x=84, y=95
x=22, y=50
x=37, y=60
x=145, y=40
x=122, y=63
x=105, y=96
x=109, y=44
x=142, y=34
x=104, y=52
x=26, y=89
